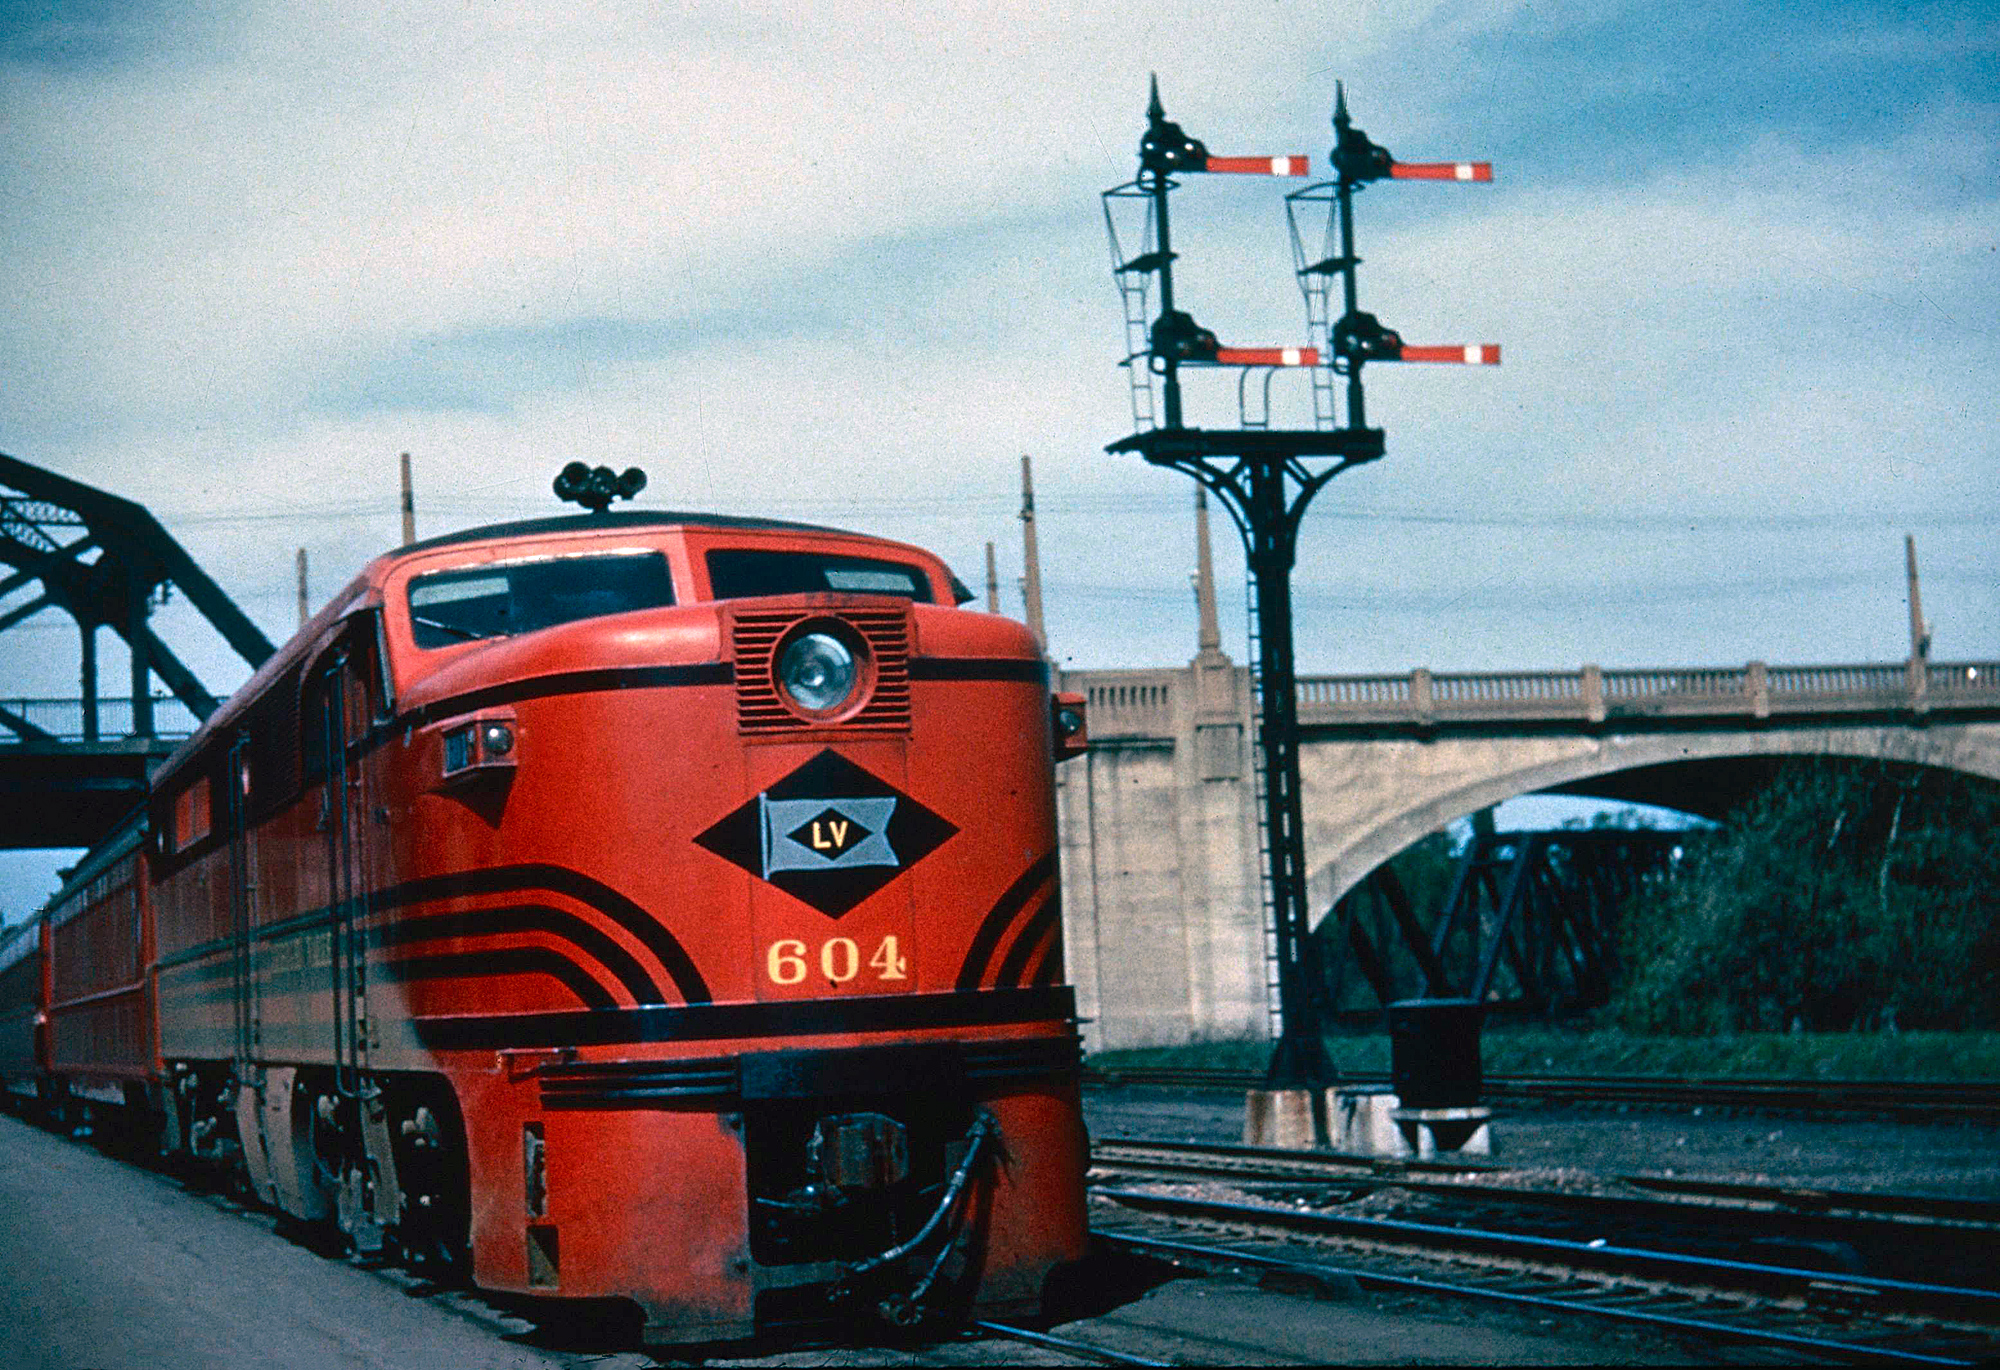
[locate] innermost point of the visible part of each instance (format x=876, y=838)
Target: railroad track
x=1672, y=1262
x=1976, y=1100
x=1688, y=1196
x=1820, y=1329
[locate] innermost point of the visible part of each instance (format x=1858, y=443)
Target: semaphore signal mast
x=1266, y=477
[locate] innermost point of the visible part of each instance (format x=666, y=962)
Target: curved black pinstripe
x=994, y=925
x=516, y=918
x=521, y=878
x=563, y=683
x=1048, y=967
x=505, y=961
x=1031, y=934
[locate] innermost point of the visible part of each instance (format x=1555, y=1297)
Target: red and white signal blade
x=1261, y=166
x=1471, y=354
x=1267, y=356
x=1440, y=171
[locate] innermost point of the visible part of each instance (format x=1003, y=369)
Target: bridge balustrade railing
x=1512, y=693
x=1705, y=683
x=63, y=719
x=1130, y=703
x=1965, y=679
x=1336, y=691
x=1144, y=704
x=1827, y=682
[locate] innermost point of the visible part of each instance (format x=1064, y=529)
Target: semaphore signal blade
x=1261, y=166
x=1469, y=354
x=1441, y=171
x=1267, y=356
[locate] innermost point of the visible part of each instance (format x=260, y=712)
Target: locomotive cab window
x=449, y=607
x=746, y=573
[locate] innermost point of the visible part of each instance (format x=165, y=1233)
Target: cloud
x=814, y=258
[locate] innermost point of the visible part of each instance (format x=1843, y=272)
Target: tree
x=1844, y=895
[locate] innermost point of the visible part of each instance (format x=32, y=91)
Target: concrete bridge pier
x=1161, y=874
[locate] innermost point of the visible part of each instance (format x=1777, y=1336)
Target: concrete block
x=1294, y=1119
x=1361, y=1121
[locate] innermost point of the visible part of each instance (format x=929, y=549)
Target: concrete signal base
x=1291, y=1119
x=1363, y=1121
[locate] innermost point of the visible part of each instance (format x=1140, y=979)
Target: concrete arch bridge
x=1161, y=889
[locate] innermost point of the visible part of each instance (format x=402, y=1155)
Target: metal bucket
x=1434, y=1052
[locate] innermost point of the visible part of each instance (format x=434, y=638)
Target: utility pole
x=409, y=505
x=1209, y=641
x=305, y=601
x=1266, y=478
x=992, y=583
x=1031, y=559
x=1920, y=631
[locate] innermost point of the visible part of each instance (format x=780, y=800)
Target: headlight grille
x=760, y=707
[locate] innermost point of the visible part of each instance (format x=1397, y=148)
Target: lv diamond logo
x=843, y=833
x=830, y=834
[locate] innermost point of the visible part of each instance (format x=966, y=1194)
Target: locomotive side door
x=346, y=689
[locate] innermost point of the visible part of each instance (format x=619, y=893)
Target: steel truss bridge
x=70, y=768
x=1528, y=923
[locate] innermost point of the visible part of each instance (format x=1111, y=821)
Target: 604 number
x=786, y=960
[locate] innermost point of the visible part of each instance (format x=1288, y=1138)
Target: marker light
x=480, y=749
x=817, y=671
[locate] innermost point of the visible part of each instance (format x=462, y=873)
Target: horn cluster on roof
x=595, y=487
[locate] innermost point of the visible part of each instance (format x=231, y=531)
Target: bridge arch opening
x=1504, y=905
x=1707, y=774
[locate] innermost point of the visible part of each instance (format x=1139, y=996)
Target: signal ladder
x=1261, y=787
x=1135, y=280
x=1315, y=278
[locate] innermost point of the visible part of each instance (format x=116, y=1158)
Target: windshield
x=498, y=601
x=743, y=573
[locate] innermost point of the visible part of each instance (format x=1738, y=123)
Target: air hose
x=906, y=1309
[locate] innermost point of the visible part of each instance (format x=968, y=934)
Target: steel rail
x=1330, y=1162
x=1054, y=1343
x=1707, y=1272
x=1706, y=1327
x=1809, y=1199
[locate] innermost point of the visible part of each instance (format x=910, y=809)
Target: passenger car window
x=744, y=573
x=447, y=607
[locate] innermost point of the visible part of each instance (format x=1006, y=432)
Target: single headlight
x=495, y=741
x=817, y=671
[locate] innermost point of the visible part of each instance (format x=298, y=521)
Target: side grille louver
x=755, y=635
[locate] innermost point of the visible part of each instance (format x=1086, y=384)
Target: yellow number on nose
x=840, y=959
x=888, y=961
x=786, y=962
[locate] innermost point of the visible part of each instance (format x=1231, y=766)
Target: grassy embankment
x=1538, y=1050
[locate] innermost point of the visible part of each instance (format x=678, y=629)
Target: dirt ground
x=1958, y=1159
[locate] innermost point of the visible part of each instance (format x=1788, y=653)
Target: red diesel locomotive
x=638, y=905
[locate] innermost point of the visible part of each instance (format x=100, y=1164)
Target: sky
x=847, y=263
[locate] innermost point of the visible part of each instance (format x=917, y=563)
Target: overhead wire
x=977, y=505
